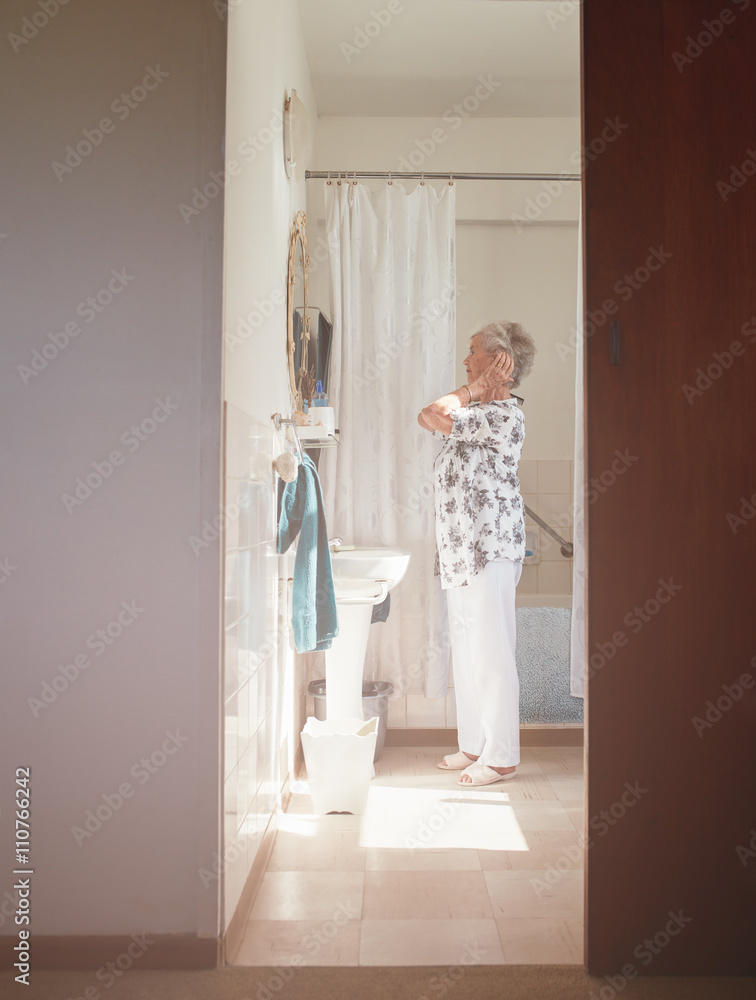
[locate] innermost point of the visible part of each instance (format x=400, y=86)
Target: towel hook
x=278, y=421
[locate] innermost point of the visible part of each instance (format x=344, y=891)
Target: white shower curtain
x=577, y=634
x=393, y=346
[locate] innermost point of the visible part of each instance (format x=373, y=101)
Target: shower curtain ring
x=329, y=177
x=389, y=180
x=422, y=177
x=451, y=179
x=355, y=179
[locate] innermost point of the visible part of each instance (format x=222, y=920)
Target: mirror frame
x=298, y=237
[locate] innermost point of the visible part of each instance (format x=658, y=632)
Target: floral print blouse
x=480, y=514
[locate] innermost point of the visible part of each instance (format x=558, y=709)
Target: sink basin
x=368, y=565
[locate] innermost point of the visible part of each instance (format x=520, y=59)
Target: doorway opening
x=456, y=85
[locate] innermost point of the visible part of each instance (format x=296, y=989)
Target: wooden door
x=670, y=230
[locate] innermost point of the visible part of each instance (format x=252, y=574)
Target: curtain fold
x=577, y=633
x=393, y=345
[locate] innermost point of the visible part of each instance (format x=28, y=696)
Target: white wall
x=266, y=60
x=159, y=338
x=262, y=694
x=528, y=275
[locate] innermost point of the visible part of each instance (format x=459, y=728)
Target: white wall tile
x=246, y=512
x=555, y=578
x=555, y=509
x=554, y=477
x=528, y=581
x=231, y=821
x=527, y=473
x=231, y=502
x=231, y=447
x=230, y=660
x=230, y=755
x=255, y=643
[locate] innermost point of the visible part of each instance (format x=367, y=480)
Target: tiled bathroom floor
x=432, y=874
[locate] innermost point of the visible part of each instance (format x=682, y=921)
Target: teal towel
x=314, y=617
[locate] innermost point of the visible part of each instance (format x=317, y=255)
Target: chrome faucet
x=334, y=543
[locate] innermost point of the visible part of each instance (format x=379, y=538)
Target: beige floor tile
x=570, y=787
x=325, y=850
x=519, y=894
x=285, y=943
x=546, y=849
x=395, y=760
x=425, y=896
x=528, y=786
x=300, y=816
x=381, y=859
x=539, y=941
x=576, y=813
x=411, y=761
x=444, y=875
x=560, y=760
x=546, y=815
x=309, y=896
x=447, y=943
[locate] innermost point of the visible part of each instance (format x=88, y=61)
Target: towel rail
x=378, y=599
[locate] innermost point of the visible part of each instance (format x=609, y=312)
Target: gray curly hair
x=510, y=337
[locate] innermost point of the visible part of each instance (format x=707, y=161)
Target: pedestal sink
x=362, y=576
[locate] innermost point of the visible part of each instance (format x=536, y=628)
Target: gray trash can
x=375, y=696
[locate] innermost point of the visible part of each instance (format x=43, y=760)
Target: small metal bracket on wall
x=279, y=421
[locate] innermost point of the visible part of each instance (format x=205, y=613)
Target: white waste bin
x=375, y=696
x=339, y=755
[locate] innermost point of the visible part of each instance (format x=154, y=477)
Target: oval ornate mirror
x=298, y=333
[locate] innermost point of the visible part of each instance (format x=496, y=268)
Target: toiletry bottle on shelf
x=319, y=398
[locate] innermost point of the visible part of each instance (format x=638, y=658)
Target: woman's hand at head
x=498, y=375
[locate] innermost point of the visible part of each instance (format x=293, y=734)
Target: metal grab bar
x=565, y=547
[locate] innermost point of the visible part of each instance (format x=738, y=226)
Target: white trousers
x=486, y=686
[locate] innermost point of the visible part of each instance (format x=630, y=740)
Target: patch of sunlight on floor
x=402, y=816
x=299, y=823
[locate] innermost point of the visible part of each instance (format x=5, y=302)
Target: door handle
x=615, y=354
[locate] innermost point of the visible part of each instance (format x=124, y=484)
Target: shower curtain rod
x=450, y=175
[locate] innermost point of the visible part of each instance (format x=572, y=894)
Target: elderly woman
x=480, y=539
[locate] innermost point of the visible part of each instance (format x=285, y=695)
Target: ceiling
x=417, y=58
